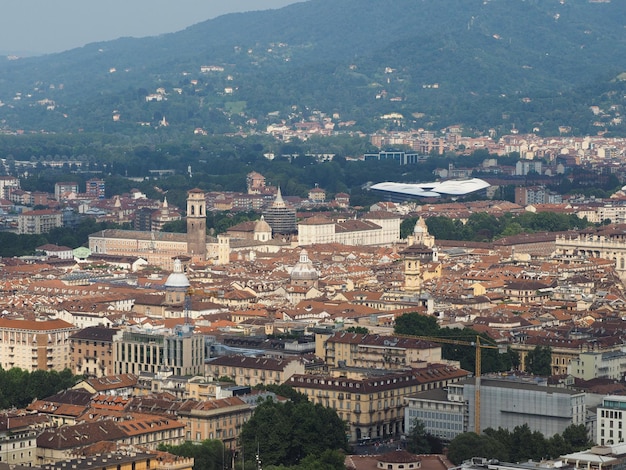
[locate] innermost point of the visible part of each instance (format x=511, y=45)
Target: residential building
x=6, y=184
x=64, y=189
x=599, y=365
x=95, y=187
x=39, y=221
x=253, y=371
x=372, y=404
x=147, y=431
x=215, y=419
x=92, y=351
x=124, y=461
x=42, y=344
x=18, y=439
x=343, y=349
x=611, y=421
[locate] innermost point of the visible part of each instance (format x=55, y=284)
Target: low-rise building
x=253, y=371
x=374, y=351
x=215, y=419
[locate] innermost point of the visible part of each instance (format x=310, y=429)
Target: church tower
x=420, y=251
x=196, y=224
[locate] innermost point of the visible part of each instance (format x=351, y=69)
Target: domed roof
x=304, y=269
x=262, y=226
x=420, y=226
x=178, y=279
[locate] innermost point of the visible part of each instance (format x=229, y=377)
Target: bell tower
x=196, y=224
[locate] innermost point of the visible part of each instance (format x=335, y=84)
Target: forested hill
x=528, y=64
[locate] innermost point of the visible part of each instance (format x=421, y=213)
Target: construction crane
x=479, y=346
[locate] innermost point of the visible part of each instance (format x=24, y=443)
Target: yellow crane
x=479, y=346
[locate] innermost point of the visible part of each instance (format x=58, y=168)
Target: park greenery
x=518, y=445
x=458, y=344
x=290, y=435
x=287, y=433
x=20, y=387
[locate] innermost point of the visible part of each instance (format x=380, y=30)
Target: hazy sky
x=44, y=26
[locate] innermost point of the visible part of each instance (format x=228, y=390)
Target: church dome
x=262, y=226
x=304, y=269
x=178, y=279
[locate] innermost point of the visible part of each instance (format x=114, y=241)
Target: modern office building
x=180, y=352
x=504, y=403
x=611, y=421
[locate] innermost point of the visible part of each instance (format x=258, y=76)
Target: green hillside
x=531, y=64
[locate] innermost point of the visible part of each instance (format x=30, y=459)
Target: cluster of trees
x=294, y=434
x=291, y=435
x=464, y=351
x=518, y=445
x=20, y=387
x=483, y=227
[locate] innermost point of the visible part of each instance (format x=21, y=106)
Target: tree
x=469, y=444
x=207, y=455
x=576, y=437
x=421, y=442
x=416, y=324
x=361, y=330
x=539, y=361
x=286, y=433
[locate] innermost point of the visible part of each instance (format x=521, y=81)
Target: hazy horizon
x=34, y=27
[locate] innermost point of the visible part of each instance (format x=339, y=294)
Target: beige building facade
x=35, y=345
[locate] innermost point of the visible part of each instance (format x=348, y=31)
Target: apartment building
x=35, y=344
x=595, y=365
x=374, y=351
x=372, y=405
x=253, y=371
x=611, y=421
x=38, y=221
x=215, y=419
x=92, y=351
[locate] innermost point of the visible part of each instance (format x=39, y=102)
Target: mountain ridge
x=517, y=56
